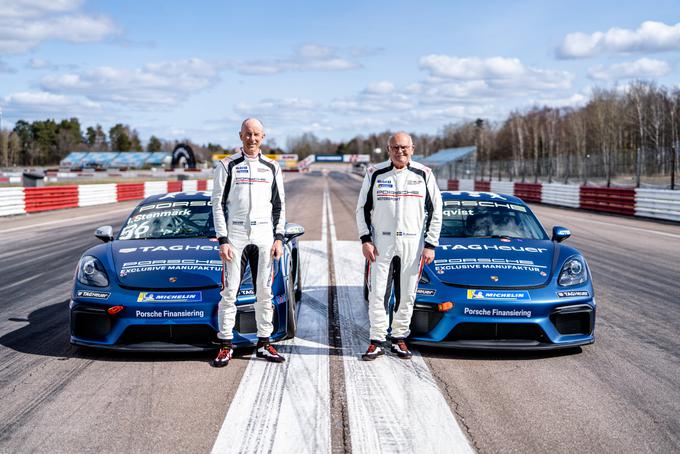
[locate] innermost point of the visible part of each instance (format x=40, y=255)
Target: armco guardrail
x=657, y=203
x=31, y=200
x=650, y=203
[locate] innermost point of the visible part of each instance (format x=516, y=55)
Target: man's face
x=251, y=136
x=400, y=150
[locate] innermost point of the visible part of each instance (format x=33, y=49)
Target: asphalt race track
x=621, y=394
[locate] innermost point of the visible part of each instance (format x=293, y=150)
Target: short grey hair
x=243, y=125
x=392, y=136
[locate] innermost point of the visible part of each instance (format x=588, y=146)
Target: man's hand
x=369, y=251
x=226, y=252
x=277, y=250
x=428, y=256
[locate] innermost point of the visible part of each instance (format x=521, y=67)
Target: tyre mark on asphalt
x=340, y=438
x=47, y=394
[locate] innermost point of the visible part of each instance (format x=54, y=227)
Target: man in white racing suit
x=249, y=216
x=399, y=217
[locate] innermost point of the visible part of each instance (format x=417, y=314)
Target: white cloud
x=575, y=100
x=155, y=84
x=642, y=68
x=495, y=72
x=379, y=88
x=35, y=8
x=305, y=58
x=24, y=24
x=27, y=103
x=42, y=64
x=649, y=37
x=275, y=113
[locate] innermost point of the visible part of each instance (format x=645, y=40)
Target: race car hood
x=168, y=263
x=493, y=262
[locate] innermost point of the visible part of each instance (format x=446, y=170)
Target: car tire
x=366, y=281
x=291, y=315
x=298, y=276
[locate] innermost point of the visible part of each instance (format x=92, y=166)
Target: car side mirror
x=293, y=231
x=560, y=234
x=104, y=233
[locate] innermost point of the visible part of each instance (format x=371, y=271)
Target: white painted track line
x=394, y=405
x=286, y=407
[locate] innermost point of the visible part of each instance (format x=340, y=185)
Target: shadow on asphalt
x=47, y=334
x=491, y=355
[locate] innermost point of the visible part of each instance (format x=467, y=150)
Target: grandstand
x=114, y=159
x=130, y=159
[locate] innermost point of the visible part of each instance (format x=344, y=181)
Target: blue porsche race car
x=156, y=286
x=500, y=282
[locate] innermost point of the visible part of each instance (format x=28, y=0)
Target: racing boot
x=374, y=350
x=399, y=347
x=223, y=355
x=267, y=351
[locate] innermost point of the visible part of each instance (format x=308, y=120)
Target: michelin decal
x=170, y=297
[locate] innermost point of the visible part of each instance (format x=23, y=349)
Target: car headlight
x=573, y=272
x=91, y=272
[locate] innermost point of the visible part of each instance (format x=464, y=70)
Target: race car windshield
x=185, y=219
x=482, y=219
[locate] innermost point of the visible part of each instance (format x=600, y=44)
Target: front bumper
x=171, y=327
x=543, y=322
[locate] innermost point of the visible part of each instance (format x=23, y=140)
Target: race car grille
x=424, y=321
x=497, y=331
x=573, y=320
x=89, y=323
x=173, y=334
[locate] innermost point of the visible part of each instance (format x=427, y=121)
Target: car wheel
x=291, y=318
x=298, y=276
x=366, y=281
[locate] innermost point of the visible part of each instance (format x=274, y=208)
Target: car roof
x=478, y=195
x=177, y=197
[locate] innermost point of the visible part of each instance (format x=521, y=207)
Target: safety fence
x=32, y=200
x=650, y=203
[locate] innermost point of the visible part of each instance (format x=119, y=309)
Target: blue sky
x=337, y=69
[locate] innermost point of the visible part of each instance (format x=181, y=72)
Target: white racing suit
x=249, y=214
x=400, y=211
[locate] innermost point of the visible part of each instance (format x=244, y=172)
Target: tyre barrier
x=657, y=203
x=649, y=203
x=32, y=200
x=610, y=200
x=12, y=201
x=482, y=186
x=529, y=192
x=50, y=198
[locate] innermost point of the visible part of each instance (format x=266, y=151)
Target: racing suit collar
x=253, y=158
x=406, y=167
